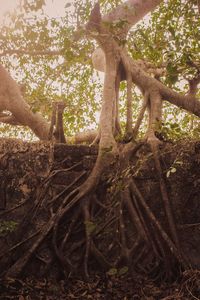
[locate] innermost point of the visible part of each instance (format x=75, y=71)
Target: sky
x=6, y=6
x=53, y=8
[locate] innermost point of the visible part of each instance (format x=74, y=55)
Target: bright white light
x=52, y=8
x=7, y=6
x=55, y=8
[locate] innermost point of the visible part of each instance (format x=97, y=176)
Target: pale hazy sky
x=6, y=6
x=54, y=8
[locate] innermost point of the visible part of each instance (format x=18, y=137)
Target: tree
x=110, y=33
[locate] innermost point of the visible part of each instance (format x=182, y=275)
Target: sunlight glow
x=7, y=6
x=52, y=8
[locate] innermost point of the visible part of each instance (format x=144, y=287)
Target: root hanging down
x=175, y=251
x=79, y=218
x=141, y=114
x=57, y=133
x=129, y=118
x=164, y=195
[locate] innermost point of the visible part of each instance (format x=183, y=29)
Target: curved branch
x=131, y=12
x=11, y=120
x=193, y=85
x=145, y=82
x=187, y=102
x=12, y=100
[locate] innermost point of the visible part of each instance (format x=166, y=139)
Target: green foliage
x=118, y=272
x=171, y=37
x=61, y=67
x=90, y=227
x=112, y=272
x=177, y=164
x=117, y=182
x=7, y=227
x=30, y=6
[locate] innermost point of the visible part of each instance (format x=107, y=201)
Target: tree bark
x=12, y=100
x=131, y=11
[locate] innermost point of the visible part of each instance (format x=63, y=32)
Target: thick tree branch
x=131, y=12
x=11, y=120
x=139, y=75
x=146, y=82
x=12, y=100
x=193, y=85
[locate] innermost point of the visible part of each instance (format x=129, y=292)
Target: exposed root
x=69, y=231
x=77, y=220
x=158, y=227
x=134, y=215
x=13, y=208
x=166, y=201
x=100, y=257
x=16, y=269
x=97, y=139
x=67, y=189
x=88, y=232
x=19, y=244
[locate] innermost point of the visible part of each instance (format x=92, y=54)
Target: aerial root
x=165, y=198
x=87, y=220
x=97, y=138
x=79, y=219
x=57, y=211
x=148, y=241
x=71, y=226
x=161, y=232
x=141, y=114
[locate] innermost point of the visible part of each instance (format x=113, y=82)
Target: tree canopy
x=154, y=62
x=52, y=57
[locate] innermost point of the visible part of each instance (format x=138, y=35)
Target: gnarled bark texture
x=131, y=12
x=12, y=100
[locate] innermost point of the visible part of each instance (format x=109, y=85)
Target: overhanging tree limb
x=131, y=12
x=145, y=82
x=11, y=99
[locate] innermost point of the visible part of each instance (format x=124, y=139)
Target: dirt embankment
x=34, y=174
